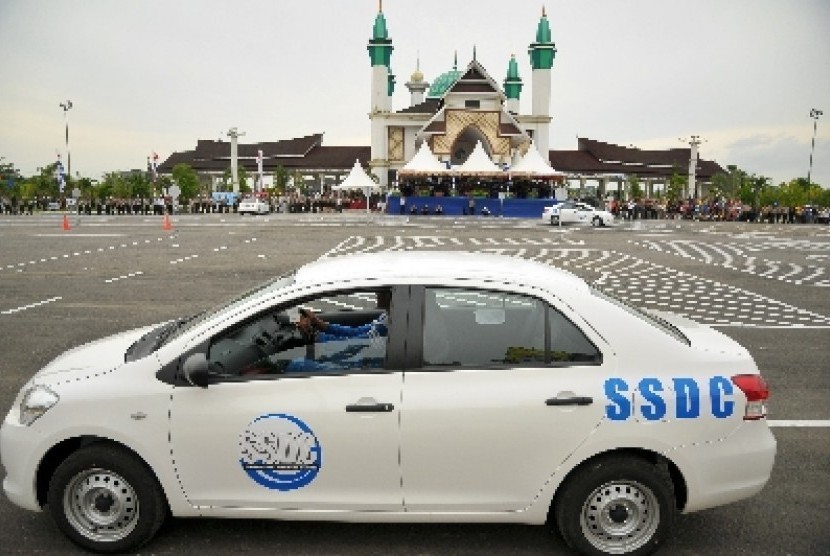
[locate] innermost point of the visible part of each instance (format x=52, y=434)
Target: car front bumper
x=21, y=455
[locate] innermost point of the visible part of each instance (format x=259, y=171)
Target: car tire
x=596, y=222
x=554, y=220
x=105, y=499
x=616, y=505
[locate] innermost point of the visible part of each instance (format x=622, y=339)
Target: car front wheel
x=596, y=222
x=106, y=500
x=554, y=220
x=616, y=506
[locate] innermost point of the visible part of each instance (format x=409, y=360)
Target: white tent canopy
x=358, y=180
x=478, y=163
x=424, y=163
x=533, y=165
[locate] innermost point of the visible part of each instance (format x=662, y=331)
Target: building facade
x=460, y=108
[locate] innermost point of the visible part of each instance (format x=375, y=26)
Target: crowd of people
x=203, y=204
x=730, y=210
x=634, y=209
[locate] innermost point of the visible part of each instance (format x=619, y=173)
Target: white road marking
x=29, y=306
x=798, y=423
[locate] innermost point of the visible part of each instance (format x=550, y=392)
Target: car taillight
x=756, y=391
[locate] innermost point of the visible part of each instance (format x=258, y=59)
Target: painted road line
x=30, y=306
x=798, y=423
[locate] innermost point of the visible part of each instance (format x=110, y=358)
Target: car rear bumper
x=728, y=470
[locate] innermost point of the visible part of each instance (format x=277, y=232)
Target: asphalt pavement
x=766, y=285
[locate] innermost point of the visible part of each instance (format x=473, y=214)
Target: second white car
x=253, y=206
x=572, y=212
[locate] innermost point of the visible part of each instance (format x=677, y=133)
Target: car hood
x=105, y=353
x=702, y=336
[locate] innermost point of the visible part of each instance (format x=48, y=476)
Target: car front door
x=290, y=424
x=303, y=442
x=509, y=387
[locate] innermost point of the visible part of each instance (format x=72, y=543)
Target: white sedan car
x=253, y=206
x=397, y=387
x=572, y=212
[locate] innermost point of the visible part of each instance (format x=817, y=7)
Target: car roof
x=398, y=267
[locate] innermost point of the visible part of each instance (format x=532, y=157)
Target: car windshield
x=184, y=325
x=651, y=318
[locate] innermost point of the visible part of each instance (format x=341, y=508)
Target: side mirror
x=195, y=370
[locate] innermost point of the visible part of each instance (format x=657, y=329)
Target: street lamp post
x=66, y=106
x=234, y=134
x=694, y=142
x=814, y=113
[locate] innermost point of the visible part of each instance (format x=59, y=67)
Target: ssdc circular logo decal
x=280, y=452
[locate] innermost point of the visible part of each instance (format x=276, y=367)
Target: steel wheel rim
x=620, y=516
x=100, y=505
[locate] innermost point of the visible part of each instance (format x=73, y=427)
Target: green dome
x=442, y=83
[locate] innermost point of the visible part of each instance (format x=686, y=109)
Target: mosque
x=461, y=111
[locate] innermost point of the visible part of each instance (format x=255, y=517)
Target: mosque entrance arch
x=465, y=142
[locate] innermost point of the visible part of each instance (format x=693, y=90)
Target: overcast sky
x=157, y=75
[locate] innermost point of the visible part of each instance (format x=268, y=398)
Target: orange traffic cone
x=166, y=223
x=66, y=226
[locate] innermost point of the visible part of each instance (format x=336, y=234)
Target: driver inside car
x=316, y=330
x=313, y=326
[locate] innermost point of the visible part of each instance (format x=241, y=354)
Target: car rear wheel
x=596, y=222
x=106, y=500
x=554, y=220
x=616, y=506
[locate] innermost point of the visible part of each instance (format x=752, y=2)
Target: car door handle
x=369, y=408
x=572, y=400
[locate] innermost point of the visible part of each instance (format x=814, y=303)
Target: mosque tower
x=417, y=86
x=512, y=86
x=542, y=53
x=383, y=84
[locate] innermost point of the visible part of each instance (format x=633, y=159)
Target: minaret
x=380, y=53
x=390, y=88
x=383, y=84
x=416, y=85
x=542, y=53
x=512, y=86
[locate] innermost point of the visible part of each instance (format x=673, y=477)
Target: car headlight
x=36, y=401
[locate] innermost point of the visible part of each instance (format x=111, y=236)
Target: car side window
x=335, y=333
x=476, y=328
x=568, y=344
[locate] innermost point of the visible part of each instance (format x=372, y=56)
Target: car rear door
x=506, y=390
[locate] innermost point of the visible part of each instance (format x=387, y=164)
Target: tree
x=298, y=183
x=140, y=185
x=117, y=186
x=635, y=190
x=187, y=180
x=676, y=187
x=281, y=179
x=10, y=179
x=87, y=188
x=243, y=180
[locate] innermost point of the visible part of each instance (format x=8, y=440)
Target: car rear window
x=654, y=320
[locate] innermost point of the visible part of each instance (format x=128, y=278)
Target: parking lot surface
x=765, y=285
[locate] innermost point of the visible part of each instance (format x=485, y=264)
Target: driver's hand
x=306, y=324
x=308, y=320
